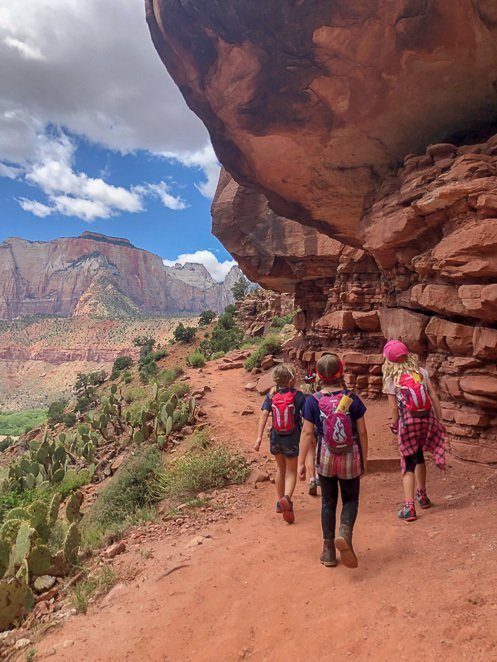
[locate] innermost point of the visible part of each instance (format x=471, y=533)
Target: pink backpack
x=283, y=408
x=338, y=434
x=414, y=394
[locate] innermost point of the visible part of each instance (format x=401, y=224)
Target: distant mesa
x=94, y=275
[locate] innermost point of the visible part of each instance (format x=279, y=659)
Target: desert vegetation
x=17, y=422
x=46, y=529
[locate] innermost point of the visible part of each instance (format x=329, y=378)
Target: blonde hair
x=328, y=366
x=394, y=371
x=283, y=375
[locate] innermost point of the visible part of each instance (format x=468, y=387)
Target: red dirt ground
x=256, y=590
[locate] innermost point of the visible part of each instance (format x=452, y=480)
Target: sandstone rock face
x=358, y=137
x=319, y=116
x=94, y=275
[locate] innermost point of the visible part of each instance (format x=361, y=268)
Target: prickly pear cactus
x=9, y=530
x=58, y=476
x=73, y=506
x=20, y=550
x=23, y=572
x=71, y=544
x=15, y=598
x=39, y=560
x=53, y=511
x=4, y=556
x=38, y=516
x=17, y=513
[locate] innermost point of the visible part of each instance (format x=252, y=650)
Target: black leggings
x=413, y=460
x=350, y=503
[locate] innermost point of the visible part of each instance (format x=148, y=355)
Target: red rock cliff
x=369, y=124
x=95, y=273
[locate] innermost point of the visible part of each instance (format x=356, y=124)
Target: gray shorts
x=287, y=445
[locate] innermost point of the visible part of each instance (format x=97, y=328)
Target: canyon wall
x=359, y=140
x=95, y=275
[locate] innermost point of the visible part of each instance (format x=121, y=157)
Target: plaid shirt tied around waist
x=345, y=465
x=426, y=434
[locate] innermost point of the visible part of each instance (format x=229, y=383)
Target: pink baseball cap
x=394, y=350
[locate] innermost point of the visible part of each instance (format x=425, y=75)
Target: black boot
x=343, y=542
x=328, y=556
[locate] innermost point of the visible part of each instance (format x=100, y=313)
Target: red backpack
x=414, y=394
x=338, y=434
x=284, y=414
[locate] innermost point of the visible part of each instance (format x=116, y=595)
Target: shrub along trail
x=254, y=589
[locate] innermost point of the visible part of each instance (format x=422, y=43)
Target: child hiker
x=285, y=404
x=416, y=420
x=335, y=416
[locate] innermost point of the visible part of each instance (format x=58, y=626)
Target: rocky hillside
x=100, y=276
x=362, y=161
x=39, y=359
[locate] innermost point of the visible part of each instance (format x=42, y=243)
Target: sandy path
x=257, y=591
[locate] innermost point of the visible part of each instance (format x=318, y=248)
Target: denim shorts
x=287, y=445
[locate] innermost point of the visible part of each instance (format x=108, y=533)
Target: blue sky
x=94, y=135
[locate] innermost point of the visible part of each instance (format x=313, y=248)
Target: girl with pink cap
x=416, y=420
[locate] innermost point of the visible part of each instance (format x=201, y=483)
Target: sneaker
x=423, y=499
x=313, y=488
x=278, y=508
x=286, y=505
x=408, y=513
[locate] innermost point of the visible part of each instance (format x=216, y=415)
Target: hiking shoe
x=286, y=506
x=313, y=488
x=343, y=542
x=278, y=508
x=408, y=513
x=328, y=556
x=423, y=499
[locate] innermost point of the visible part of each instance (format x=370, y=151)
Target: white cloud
x=90, y=67
x=73, y=193
x=11, y=172
x=218, y=270
x=206, y=160
x=163, y=192
x=35, y=207
x=27, y=51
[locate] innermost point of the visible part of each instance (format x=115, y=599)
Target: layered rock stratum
x=359, y=138
x=98, y=276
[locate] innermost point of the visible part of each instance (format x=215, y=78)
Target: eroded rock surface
x=96, y=275
x=359, y=135
x=314, y=103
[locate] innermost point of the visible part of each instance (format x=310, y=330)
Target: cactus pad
x=73, y=506
x=9, y=530
x=38, y=516
x=39, y=560
x=53, y=511
x=18, y=513
x=71, y=544
x=58, y=476
x=15, y=597
x=4, y=556
x=20, y=550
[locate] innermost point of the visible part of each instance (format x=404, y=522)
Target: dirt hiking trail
x=255, y=588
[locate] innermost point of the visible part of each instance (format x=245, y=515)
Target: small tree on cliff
x=240, y=289
x=206, y=317
x=184, y=333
